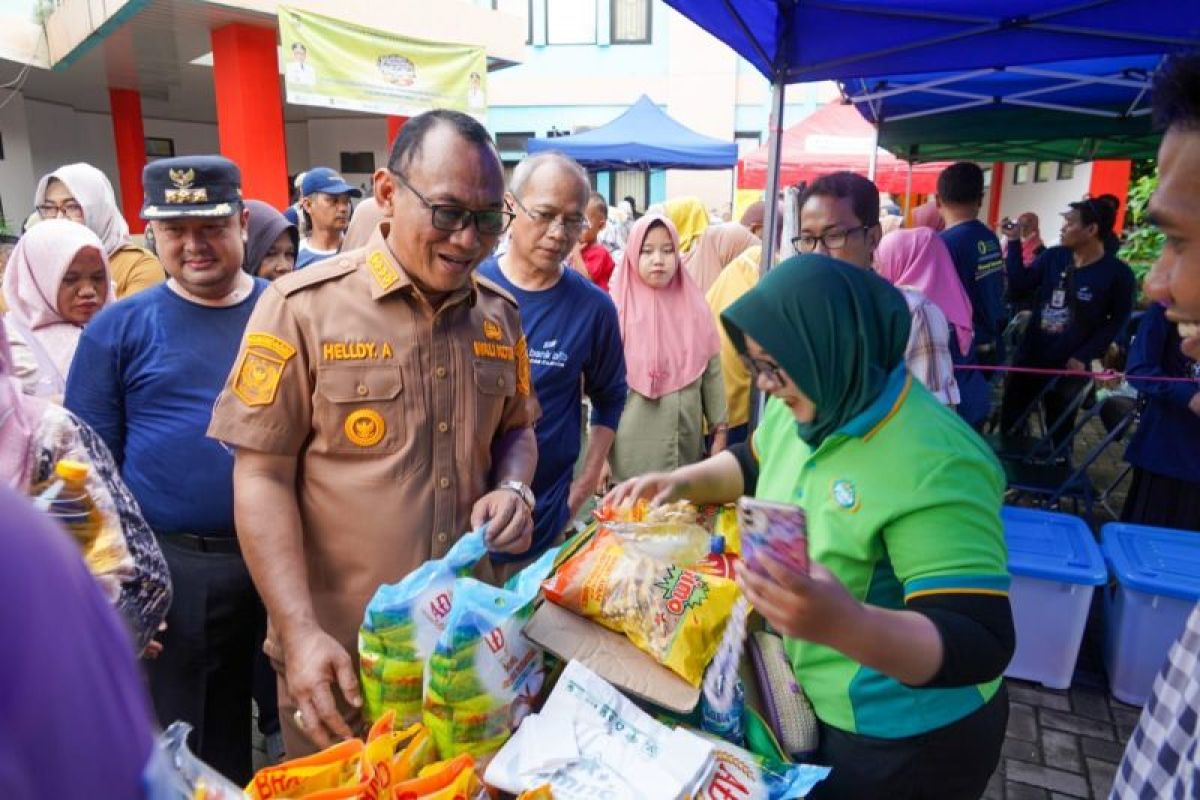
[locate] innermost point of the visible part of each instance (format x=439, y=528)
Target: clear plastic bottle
x=65, y=497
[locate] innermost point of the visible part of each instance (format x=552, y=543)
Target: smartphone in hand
x=778, y=529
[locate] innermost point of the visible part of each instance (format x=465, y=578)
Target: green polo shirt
x=902, y=501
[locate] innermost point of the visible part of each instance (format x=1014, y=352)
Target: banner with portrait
x=332, y=63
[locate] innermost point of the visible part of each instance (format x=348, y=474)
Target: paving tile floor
x=1061, y=743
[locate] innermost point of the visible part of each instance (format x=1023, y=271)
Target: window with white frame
x=630, y=21
x=570, y=21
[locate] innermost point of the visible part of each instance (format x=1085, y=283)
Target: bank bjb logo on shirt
x=845, y=495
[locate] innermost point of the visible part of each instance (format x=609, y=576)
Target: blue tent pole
x=771, y=194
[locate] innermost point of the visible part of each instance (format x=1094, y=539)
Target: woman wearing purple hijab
x=74, y=717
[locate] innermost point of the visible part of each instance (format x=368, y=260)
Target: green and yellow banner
x=336, y=64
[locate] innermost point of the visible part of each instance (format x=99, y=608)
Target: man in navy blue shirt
x=976, y=254
x=1083, y=296
x=146, y=375
x=574, y=339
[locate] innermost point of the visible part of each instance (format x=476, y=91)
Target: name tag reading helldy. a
x=355, y=351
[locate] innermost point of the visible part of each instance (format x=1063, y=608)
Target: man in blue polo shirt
x=574, y=338
x=146, y=375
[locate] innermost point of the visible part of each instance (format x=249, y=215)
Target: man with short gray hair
x=573, y=334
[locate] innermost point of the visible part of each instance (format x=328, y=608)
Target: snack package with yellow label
x=401, y=626
x=484, y=674
x=675, y=614
x=454, y=779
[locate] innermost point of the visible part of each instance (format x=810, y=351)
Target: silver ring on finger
x=298, y=718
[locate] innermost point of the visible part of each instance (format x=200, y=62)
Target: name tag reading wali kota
x=355, y=351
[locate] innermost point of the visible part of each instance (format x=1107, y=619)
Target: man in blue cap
x=149, y=370
x=325, y=198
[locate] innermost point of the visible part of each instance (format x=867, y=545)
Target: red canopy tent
x=835, y=137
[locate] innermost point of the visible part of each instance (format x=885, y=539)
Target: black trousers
x=950, y=763
x=205, y=674
x=1023, y=388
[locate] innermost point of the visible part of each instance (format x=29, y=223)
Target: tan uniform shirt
x=390, y=407
x=133, y=269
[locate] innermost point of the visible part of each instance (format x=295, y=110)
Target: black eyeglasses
x=573, y=226
x=488, y=221
x=69, y=209
x=833, y=240
x=757, y=366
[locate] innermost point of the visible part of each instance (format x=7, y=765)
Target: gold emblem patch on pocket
x=365, y=427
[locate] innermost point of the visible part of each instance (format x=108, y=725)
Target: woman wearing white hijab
x=82, y=193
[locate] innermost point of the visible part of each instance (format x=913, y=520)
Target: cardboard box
x=611, y=656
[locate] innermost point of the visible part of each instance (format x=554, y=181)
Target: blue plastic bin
x=1157, y=584
x=1056, y=566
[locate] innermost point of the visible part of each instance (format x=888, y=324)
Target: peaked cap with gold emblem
x=191, y=186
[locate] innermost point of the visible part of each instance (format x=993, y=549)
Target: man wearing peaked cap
x=382, y=406
x=325, y=198
x=145, y=378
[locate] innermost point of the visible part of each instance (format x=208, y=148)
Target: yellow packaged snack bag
x=677, y=615
x=331, y=768
x=446, y=780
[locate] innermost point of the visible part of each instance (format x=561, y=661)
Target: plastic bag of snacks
x=484, y=674
x=742, y=775
x=402, y=624
x=174, y=772
x=677, y=615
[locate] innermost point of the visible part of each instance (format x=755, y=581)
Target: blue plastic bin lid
x=1051, y=546
x=1161, y=561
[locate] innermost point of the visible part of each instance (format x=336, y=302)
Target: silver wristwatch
x=523, y=491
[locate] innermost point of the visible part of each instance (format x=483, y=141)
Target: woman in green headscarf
x=901, y=629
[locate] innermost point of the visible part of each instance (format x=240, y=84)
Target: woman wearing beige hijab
x=81, y=193
x=717, y=246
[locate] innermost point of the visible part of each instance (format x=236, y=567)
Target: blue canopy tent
x=642, y=138
x=1062, y=111
x=790, y=41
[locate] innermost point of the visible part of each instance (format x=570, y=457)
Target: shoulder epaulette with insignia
x=320, y=272
x=494, y=288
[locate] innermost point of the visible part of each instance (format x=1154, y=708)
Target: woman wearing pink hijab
x=672, y=360
x=56, y=280
x=918, y=263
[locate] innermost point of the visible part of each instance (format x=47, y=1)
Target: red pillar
x=1112, y=177
x=130, y=138
x=250, y=109
x=995, y=192
x=394, y=126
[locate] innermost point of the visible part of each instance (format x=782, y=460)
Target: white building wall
x=329, y=138
x=1047, y=199
x=16, y=168
x=703, y=96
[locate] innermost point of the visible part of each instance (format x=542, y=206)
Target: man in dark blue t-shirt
x=574, y=340
x=1083, y=297
x=145, y=376
x=976, y=253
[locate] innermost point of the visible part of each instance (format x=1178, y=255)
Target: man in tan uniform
x=381, y=406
